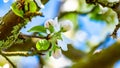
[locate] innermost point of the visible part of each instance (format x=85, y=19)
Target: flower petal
x=62, y=44
x=56, y=25
x=66, y=39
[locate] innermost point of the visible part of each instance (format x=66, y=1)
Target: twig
x=8, y=60
x=114, y=34
x=30, y=36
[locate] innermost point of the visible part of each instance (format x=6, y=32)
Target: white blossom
x=103, y=9
x=65, y=25
x=62, y=26
x=5, y=1
x=64, y=42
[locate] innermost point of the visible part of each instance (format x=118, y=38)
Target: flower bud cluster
x=59, y=27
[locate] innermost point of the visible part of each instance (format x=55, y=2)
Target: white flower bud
x=66, y=25
x=57, y=54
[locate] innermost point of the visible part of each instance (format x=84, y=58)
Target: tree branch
x=8, y=60
x=104, y=59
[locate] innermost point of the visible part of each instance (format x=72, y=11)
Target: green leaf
x=37, y=29
x=1, y=43
x=32, y=6
x=42, y=44
x=50, y=53
x=109, y=16
x=51, y=29
x=16, y=10
x=26, y=6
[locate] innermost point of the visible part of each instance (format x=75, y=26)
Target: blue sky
x=91, y=27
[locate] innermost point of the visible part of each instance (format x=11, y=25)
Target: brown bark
x=8, y=22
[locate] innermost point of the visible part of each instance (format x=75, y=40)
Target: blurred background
x=90, y=30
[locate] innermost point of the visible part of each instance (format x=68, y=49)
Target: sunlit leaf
x=32, y=6
x=37, y=29
x=16, y=10
x=107, y=15
x=42, y=44
x=26, y=6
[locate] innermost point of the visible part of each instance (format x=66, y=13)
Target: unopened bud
x=48, y=23
x=66, y=25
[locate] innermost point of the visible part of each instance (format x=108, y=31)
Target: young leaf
x=1, y=43
x=51, y=29
x=16, y=10
x=26, y=6
x=50, y=52
x=37, y=29
x=33, y=6
x=42, y=44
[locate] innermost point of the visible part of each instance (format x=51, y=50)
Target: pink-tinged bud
x=57, y=53
x=48, y=23
x=54, y=23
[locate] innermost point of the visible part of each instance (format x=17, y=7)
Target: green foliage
x=84, y=7
x=53, y=48
x=42, y=44
x=16, y=9
x=38, y=29
x=107, y=15
x=29, y=6
x=1, y=42
x=55, y=36
x=51, y=29
x=50, y=53
x=26, y=6
x=32, y=6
